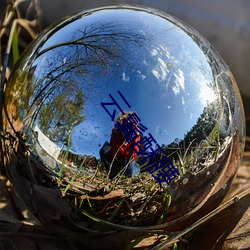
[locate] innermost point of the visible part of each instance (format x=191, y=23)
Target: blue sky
x=166, y=78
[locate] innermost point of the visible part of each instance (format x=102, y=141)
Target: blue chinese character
x=129, y=131
x=131, y=127
x=135, y=120
x=166, y=171
x=144, y=144
x=116, y=104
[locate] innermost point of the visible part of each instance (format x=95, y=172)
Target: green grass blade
x=70, y=184
x=90, y=216
x=175, y=247
x=116, y=210
x=168, y=202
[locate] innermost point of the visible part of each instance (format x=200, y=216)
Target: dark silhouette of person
x=118, y=155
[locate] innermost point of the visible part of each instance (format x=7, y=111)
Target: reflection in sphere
x=63, y=142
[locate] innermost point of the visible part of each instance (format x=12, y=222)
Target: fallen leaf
x=111, y=195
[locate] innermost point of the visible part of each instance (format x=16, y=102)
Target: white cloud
x=206, y=93
x=183, y=100
x=154, y=52
x=179, y=82
x=142, y=76
x=161, y=70
x=125, y=78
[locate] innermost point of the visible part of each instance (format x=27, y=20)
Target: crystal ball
x=121, y=119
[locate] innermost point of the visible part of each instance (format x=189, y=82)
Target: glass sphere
x=120, y=119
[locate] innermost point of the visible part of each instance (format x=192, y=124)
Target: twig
x=38, y=15
x=140, y=210
x=176, y=238
x=111, y=164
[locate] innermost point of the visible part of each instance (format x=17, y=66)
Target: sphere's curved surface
x=150, y=64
